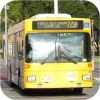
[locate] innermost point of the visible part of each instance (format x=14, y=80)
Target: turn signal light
x=90, y=65
x=27, y=66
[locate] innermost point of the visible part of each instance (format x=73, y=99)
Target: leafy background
x=20, y=10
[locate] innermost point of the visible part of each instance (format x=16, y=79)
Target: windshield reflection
x=57, y=47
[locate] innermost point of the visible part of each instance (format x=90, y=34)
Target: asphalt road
x=15, y=93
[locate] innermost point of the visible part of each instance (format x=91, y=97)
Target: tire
x=78, y=90
x=24, y=91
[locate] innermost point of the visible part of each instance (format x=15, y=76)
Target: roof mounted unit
x=52, y=16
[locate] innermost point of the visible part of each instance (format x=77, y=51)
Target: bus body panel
x=60, y=79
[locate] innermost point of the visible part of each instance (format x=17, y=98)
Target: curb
x=97, y=79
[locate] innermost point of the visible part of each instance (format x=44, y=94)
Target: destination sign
x=55, y=25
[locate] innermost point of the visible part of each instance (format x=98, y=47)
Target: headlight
x=86, y=77
x=31, y=78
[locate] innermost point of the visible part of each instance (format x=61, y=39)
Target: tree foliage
x=29, y=9
x=20, y=10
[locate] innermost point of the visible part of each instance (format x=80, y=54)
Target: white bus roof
x=52, y=16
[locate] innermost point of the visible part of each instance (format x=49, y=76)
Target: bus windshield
x=57, y=47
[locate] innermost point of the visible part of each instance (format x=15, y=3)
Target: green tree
x=48, y=6
x=73, y=7
x=30, y=8
x=0, y=43
x=2, y=26
x=13, y=13
x=20, y=10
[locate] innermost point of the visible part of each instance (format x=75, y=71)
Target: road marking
x=98, y=79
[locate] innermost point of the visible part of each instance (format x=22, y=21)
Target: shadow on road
x=67, y=92
x=46, y=92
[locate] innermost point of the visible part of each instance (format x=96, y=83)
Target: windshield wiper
x=69, y=58
x=47, y=57
x=72, y=52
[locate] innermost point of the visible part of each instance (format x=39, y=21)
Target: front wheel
x=78, y=90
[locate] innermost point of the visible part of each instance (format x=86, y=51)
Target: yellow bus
x=50, y=53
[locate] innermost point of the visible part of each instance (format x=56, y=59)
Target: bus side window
x=20, y=51
x=20, y=55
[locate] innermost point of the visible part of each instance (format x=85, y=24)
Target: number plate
x=46, y=79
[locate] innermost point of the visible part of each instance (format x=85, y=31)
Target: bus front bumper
x=33, y=85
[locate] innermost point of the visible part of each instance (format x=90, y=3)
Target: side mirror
x=20, y=55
